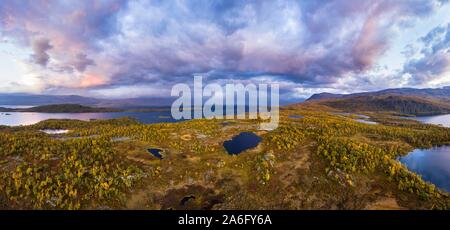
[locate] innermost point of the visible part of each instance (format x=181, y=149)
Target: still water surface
x=443, y=120
x=25, y=118
x=433, y=165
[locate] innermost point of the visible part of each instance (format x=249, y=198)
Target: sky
x=118, y=48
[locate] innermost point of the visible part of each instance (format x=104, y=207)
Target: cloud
x=81, y=62
x=434, y=62
x=313, y=42
x=89, y=80
x=40, y=48
x=120, y=44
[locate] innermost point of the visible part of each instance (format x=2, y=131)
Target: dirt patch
x=387, y=203
x=298, y=162
x=186, y=137
x=191, y=197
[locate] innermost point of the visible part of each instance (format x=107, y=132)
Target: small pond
x=225, y=123
x=186, y=199
x=296, y=116
x=361, y=118
x=366, y=121
x=120, y=138
x=54, y=131
x=242, y=142
x=433, y=165
x=156, y=152
x=353, y=114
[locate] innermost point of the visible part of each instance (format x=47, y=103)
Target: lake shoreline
x=441, y=120
x=431, y=164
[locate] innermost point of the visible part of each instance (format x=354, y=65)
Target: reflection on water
x=353, y=114
x=443, y=120
x=55, y=131
x=361, y=118
x=156, y=152
x=433, y=165
x=366, y=121
x=20, y=118
x=16, y=106
x=242, y=142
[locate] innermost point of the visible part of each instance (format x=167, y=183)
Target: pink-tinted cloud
x=121, y=43
x=90, y=80
x=434, y=62
x=40, y=48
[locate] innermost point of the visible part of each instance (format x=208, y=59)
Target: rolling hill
x=437, y=93
x=419, y=102
x=389, y=103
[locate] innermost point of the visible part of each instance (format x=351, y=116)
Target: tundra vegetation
x=324, y=160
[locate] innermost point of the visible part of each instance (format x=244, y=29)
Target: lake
x=443, y=120
x=296, y=116
x=29, y=118
x=433, y=165
x=16, y=106
x=156, y=152
x=241, y=142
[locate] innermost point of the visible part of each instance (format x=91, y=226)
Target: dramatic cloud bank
x=434, y=62
x=126, y=47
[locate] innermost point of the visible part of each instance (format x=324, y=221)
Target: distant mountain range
x=436, y=93
x=403, y=100
x=38, y=99
x=15, y=99
x=61, y=108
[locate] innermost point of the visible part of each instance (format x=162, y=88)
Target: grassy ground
x=322, y=161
